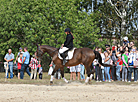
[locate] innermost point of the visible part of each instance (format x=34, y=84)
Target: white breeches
x=63, y=50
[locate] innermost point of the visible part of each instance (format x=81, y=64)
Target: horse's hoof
x=51, y=82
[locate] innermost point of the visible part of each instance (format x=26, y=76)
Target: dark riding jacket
x=69, y=41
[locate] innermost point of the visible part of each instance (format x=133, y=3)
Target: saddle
x=68, y=54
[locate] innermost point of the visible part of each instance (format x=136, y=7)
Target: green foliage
x=27, y=22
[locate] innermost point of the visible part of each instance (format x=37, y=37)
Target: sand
x=73, y=92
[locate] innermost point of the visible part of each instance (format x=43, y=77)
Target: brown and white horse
x=81, y=55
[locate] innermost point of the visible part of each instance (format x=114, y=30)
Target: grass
x=46, y=80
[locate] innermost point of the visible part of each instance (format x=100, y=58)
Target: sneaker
x=122, y=80
x=129, y=81
x=109, y=81
x=100, y=81
x=103, y=79
x=97, y=81
x=125, y=80
x=135, y=81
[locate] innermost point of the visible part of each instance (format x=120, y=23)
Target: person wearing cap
x=20, y=50
x=68, y=44
x=119, y=64
x=125, y=42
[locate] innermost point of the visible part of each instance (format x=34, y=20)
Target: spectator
x=119, y=64
x=125, y=65
x=102, y=67
x=20, y=51
x=9, y=57
x=19, y=64
x=131, y=45
x=125, y=42
x=73, y=73
x=127, y=51
x=107, y=69
x=33, y=65
x=26, y=57
x=114, y=59
x=132, y=57
x=82, y=72
x=40, y=72
x=78, y=70
x=99, y=71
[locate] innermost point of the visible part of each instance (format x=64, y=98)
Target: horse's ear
x=37, y=45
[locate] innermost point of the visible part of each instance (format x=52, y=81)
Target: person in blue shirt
x=9, y=57
x=26, y=58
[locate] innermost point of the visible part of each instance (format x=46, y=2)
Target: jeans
x=107, y=69
x=113, y=72
x=130, y=73
x=118, y=67
x=96, y=73
x=82, y=72
x=103, y=73
x=11, y=71
x=99, y=72
x=124, y=72
x=24, y=66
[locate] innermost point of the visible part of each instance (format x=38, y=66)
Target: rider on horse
x=68, y=44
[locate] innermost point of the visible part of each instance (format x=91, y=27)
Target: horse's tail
x=98, y=56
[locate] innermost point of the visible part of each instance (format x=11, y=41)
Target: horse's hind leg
x=62, y=74
x=89, y=74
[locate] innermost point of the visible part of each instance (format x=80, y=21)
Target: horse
x=81, y=55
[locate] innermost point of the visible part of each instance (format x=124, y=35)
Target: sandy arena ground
x=73, y=92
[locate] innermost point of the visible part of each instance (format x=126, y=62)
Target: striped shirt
x=33, y=63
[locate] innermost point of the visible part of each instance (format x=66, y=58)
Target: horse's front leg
x=62, y=74
x=52, y=75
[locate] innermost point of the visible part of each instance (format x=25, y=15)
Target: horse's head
x=39, y=52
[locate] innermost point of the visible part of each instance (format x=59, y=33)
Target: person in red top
x=19, y=64
x=33, y=65
x=119, y=64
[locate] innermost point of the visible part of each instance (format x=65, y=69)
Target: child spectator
x=19, y=64
x=33, y=65
x=73, y=73
x=78, y=70
x=40, y=72
x=119, y=64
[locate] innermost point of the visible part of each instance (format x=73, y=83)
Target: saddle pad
x=70, y=54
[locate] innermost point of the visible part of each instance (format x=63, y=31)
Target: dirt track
x=73, y=92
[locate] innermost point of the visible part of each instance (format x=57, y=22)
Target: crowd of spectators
x=124, y=61
x=23, y=64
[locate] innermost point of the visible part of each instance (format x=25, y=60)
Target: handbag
x=50, y=71
x=131, y=64
x=136, y=63
x=111, y=62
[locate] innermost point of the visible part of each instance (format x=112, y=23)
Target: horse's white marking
x=87, y=80
x=91, y=76
x=65, y=80
x=51, y=78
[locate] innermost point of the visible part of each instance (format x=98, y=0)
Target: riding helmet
x=67, y=30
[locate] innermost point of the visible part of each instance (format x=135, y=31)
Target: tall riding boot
x=64, y=60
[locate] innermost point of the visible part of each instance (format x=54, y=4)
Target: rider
x=68, y=44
